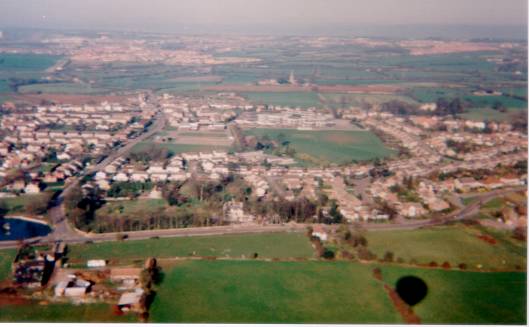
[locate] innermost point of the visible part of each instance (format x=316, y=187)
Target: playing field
x=268, y=245
x=454, y=244
x=330, y=146
x=329, y=292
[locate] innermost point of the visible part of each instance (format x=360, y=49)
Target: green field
x=27, y=61
x=291, y=99
x=330, y=146
x=127, y=207
x=6, y=258
x=269, y=245
x=329, y=292
x=358, y=99
x=20, y=204
x=481, y=114
x=178, y=148
x=468, y=297
x=86, y=313
x=271, y=292
x=454, y=244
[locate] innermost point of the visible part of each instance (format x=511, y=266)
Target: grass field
x=6, y=258
x=358, y=99
x=329, y=292
x=292, y=99
x=178, y=148
x=19, y=204
x=330, y=146
x=86, y=313
x=127, y=207
x=467, y=297
x=271, y=292
x=454, y=244
x=480, y=114
x=269, y=245
x=27, y=61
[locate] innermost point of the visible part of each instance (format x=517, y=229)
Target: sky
x=257, y=15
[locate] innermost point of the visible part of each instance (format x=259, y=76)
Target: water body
x=12, y=229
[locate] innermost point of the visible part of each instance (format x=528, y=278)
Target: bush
x=328, y=254
x=400, y=260
x=463, y=266
x=433, y=264
x=388, y=256
x=446, y=265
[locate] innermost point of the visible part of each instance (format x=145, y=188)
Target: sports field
x=330, y=146
x=268, y=245
x=453, y=244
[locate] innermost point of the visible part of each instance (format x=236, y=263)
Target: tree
x=388, y=256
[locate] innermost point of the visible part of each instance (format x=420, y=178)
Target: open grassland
x=20, y=204
x=358, y=99
x=271, y=292
x=456, y=297
x=27, y=61
x=6, y=258
x=127, y=207
x=63, y=312
x=330, y=146
x=291, y=99
x=268, y=245
x=178, y=148
x=454, y=244
x=481, y=114
x=329, y=292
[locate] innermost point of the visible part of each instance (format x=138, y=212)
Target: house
x=319, y=232
x=411, y=210
x=32, y=188
x=131, y=300
x=233, y=211
x=96, y=263
x=125, y=273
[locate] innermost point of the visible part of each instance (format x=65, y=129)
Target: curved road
x=71, y=236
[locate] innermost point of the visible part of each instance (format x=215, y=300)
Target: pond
x=18, y=229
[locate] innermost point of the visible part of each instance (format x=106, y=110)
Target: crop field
x=329, y=292
x=62, y=312
x=291, y=99
x=453, y=244
x=266, y=245
x=330, y=146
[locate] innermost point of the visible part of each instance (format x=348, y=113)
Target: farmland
x=453, y=244
x=292, y=99
x=177, y=148
x=330, y=292
x=330, y=146
x=268, y=292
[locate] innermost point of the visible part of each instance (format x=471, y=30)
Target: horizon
x=404, y=18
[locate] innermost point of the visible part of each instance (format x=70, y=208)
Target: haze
x=263, y=16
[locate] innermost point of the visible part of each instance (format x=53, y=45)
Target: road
x=77, y=237
x=62, y=230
